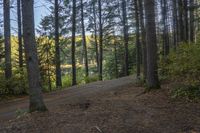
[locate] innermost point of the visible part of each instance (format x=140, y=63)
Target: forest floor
x=116, y=106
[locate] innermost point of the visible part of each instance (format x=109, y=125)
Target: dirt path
x=116, y=106
x=8, y=109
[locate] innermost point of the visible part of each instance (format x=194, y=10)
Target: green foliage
x=81, y=78
x=115, y=59
x=21, y=112
x=17, y=85
x=91, y=79
x=67, y=81
x=110, y=67
x=190, y=93
x=183, y=64
x=46, y=56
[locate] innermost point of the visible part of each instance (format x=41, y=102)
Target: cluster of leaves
x=183, y=66
x=190, y=93
x=67, y=79
x=114, y=61
x=46, y=62
x=17, y=85
x=91, y=79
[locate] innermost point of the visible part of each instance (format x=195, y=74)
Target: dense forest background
x=83, y=41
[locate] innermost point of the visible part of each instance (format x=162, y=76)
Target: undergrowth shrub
x=67, y=81
x=183, y=66
x=190, y=93
x=92, y=78
x=17, y=85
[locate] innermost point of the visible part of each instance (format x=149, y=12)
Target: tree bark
x=74, y=82
x=143, y=32
x=192, y=22
x=152, y=67
x=84, y=40
x=7, y=39
x=19, y=20
x=138, y=44
x=95, y=36
x=175, y=24
x=125, y=32
x=181, y=25
x=116, y=61
x=36, y=98
x=100, y=42
x=48, y=70
x=186, y=25
x=165, y=28
x=57, y=47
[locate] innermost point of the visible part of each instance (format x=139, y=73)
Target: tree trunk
x=36, y=98
x=143, y=32
x=20, y=34
x=186, y=25
x=181, y=25
x=138, y=44
x=48, y=71
x=192, y=22
x=116, y=62
x=100, y=42
x=57, y=47
x=95, y=36
x=8, y=65
x=84, y=40
x=165, y=28
x=74, y=44
x=152, y=68
x=125, y=32
x=175, y=24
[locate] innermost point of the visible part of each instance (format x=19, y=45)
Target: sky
x=39, y=11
